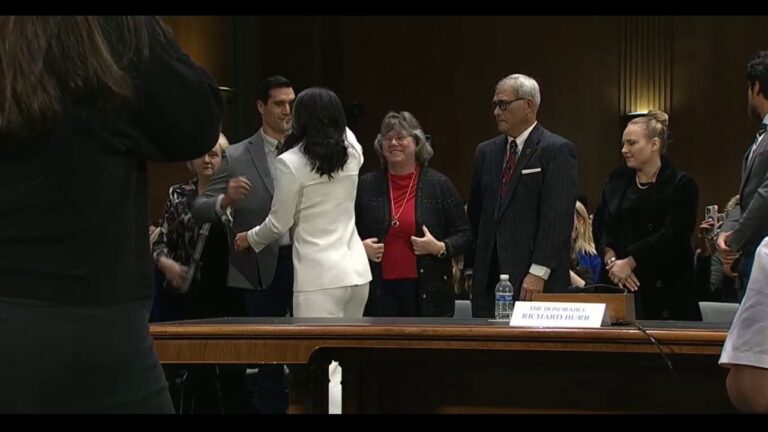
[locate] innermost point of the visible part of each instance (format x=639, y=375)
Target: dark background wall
x=443, y=70
x=207, y=39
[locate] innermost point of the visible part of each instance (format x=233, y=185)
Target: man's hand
x=531, y=284
x=729, y=271
x=237, y=189
x=729, y=255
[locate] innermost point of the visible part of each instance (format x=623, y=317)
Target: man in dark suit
x=260, y=284
x=521, y=201
x=747, y=225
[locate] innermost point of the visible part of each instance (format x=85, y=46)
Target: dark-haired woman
x=315, y=188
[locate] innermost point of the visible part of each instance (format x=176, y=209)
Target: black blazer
x=440, y=208
x=533, y=224
x=658, y=237
x=73, y=221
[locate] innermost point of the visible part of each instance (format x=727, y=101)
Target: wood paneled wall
x=443, y=69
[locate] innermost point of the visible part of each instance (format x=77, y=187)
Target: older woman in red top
x=412, y=222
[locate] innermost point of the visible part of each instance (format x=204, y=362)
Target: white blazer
x=327, y=251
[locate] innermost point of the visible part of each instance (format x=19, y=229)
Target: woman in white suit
x=315, y=189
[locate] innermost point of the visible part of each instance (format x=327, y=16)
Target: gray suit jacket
x=749, y=221
x=533, y=223
x=247, y=269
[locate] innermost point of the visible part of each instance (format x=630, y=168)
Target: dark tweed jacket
x=440, y=208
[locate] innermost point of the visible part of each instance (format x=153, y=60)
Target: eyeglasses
x=401, y=139
x=503, y=104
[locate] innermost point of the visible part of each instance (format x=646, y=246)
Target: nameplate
x=556, y=314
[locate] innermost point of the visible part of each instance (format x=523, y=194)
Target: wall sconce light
x=228, y=94
x=626, y=118
x=646, y=66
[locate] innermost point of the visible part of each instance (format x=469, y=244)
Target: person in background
x=586, y=264
x=413, y=223
x=178, y=241
x=714, y=282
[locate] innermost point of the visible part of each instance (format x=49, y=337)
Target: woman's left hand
x=621, y=273
x=426, y=245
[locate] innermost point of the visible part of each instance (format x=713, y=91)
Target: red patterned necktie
x=509, y=168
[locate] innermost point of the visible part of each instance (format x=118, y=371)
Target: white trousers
x=332, y=302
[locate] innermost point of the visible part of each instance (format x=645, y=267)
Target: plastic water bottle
x=505, y=298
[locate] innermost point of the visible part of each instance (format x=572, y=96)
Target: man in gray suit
x=521, y=201
x=240, y=193
x=747, y=224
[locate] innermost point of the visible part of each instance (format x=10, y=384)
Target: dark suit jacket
x=658, y=237
x=439, y=207
x=533, y=223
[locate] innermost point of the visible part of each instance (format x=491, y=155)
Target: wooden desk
x=449, y=365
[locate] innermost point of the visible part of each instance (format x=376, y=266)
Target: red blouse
x=399, y=260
